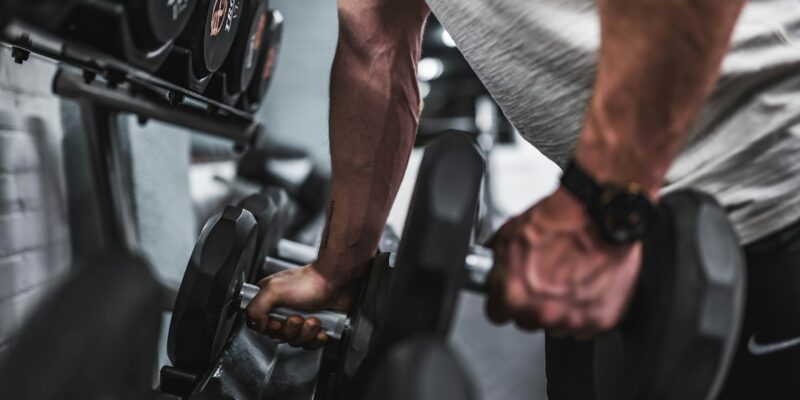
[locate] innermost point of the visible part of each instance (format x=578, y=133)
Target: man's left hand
x=554, y=272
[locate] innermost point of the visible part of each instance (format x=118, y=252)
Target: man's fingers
x=307, y=333
x=319, y=340
x=258, y=309
x=274, y=328
x=291, y=328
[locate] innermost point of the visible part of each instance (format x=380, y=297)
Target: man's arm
x=659, y=59
x=374, y=113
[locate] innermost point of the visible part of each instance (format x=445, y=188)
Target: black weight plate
x=678, y=338
x=274, y=212
x=429, y=270
x=266, y=60
x=243, y=60
x=159, y=21
x=210, y=34
x=95, y=336
x=222, y=24
x=206, y=309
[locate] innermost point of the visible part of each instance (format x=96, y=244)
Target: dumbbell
x=275, y=164
x=684, y=316
x=337, y=324
x=210, y=34
x=156, y=22
x=94, y=336
x=678, y=337
x=207, y=309
x=242, y=62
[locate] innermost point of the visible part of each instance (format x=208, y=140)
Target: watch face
x=625, y=217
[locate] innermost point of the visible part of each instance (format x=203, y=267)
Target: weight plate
x=266, y=60
x=429, y=269
x=206, y=311
x=222, y=24
x=243, y=60
x=168, y=18
x=95, y=336
x=156, y=22
x=679, y=336
x=210, y=34
x=274, y=212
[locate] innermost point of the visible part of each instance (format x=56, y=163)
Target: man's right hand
x=303, y=289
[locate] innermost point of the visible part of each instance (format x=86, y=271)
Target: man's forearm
x=659, y=60
x=374, y=115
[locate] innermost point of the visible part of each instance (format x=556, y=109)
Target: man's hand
x=658, y=62
x=552, y=271
x=302, y=289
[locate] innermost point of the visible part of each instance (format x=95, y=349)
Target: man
x=627, y=115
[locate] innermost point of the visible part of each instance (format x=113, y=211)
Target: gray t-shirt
x=537, y=59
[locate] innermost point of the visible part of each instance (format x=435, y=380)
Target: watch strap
x=581, y=185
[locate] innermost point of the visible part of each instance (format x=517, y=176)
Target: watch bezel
x=631, y=193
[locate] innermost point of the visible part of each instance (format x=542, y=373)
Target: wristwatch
x=622, y=214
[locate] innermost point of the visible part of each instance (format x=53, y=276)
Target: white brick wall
x=34, y=238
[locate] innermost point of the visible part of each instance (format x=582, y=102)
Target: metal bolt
x=89, y=76
x=20, y=55
x=175, y=98
x=114, y=77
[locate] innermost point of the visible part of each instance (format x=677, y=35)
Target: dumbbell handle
x=479, y=262
x=334, y=324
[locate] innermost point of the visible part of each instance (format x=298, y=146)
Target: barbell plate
x=274, y=212
x=242, y=62
x=679, y=336
x=206, y=311
x=429, y=269
x=95, y=335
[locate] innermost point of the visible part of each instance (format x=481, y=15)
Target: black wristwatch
x=623, y=215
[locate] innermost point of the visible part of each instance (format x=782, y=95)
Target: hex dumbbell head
x=429, y=271
x=206, y=309
x=415, y=293
x=678, y=339
x=274, y=212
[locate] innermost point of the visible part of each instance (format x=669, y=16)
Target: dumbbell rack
x=105, y=87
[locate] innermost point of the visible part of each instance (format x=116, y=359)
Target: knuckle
x=515, y=295
x=604, y=323
x=295, y=321
x=550, y=314
x=312, y=324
